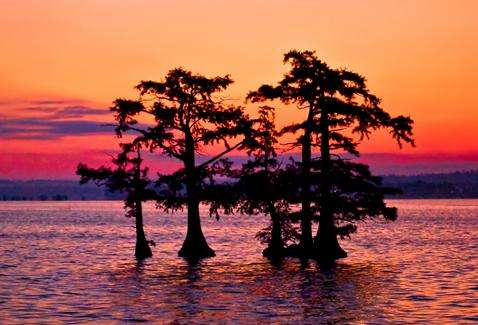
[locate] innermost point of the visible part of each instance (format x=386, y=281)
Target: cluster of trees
x=42, y=197
x=321, y=187
x=456, y=185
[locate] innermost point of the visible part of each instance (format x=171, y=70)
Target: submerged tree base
x=274, y=253
x=196, y=250
x=330, y=254
x=328, y=248
x=314, y=252
x=142, y=250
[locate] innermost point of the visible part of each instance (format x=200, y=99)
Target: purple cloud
x=66, y=112
x=50, y=119
x=47, y=129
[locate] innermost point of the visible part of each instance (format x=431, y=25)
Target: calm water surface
x=71, y=262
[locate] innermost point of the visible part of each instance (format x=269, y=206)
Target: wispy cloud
x=50, y=119
x=78, y=111
x=39, y=102
x=48, y=128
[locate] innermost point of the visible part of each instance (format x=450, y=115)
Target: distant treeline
x=436, y=186
x=423, y=186
x=52, y=190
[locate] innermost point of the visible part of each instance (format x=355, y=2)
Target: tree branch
x=213, y=159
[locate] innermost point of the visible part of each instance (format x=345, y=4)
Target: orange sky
x=419, y=56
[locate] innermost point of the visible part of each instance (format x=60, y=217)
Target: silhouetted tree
x=127, y=177
x=338, y=106
x=265, y=187
x=187, y=118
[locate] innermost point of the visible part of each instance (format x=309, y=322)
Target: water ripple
x=70, y=262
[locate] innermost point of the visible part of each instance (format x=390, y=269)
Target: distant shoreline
x=457, y=185
x=120, y=201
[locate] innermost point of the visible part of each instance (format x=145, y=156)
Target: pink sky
x=67, y=60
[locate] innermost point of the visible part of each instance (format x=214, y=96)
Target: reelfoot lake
x=72, y=262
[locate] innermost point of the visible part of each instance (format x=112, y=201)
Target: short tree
x=338, y=106
x=265, y=187
x=130, y=178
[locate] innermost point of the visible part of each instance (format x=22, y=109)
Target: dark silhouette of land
x=456, y=185
x=47, y=190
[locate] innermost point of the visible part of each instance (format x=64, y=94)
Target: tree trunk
x=328, y=245
x=306, y=215
x=276, y=246
x=195, y=245
x=142, y=249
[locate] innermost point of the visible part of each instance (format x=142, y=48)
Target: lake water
x=70, y=262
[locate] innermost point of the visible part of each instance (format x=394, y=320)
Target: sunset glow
x=65, y=62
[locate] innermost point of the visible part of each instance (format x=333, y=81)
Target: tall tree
x=188, y=117
x=340, y=111
x=130, y=178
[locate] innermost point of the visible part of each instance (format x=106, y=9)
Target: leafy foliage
x=341, y=112
x=127, y=177
x=340, y=94
x=188, y=117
